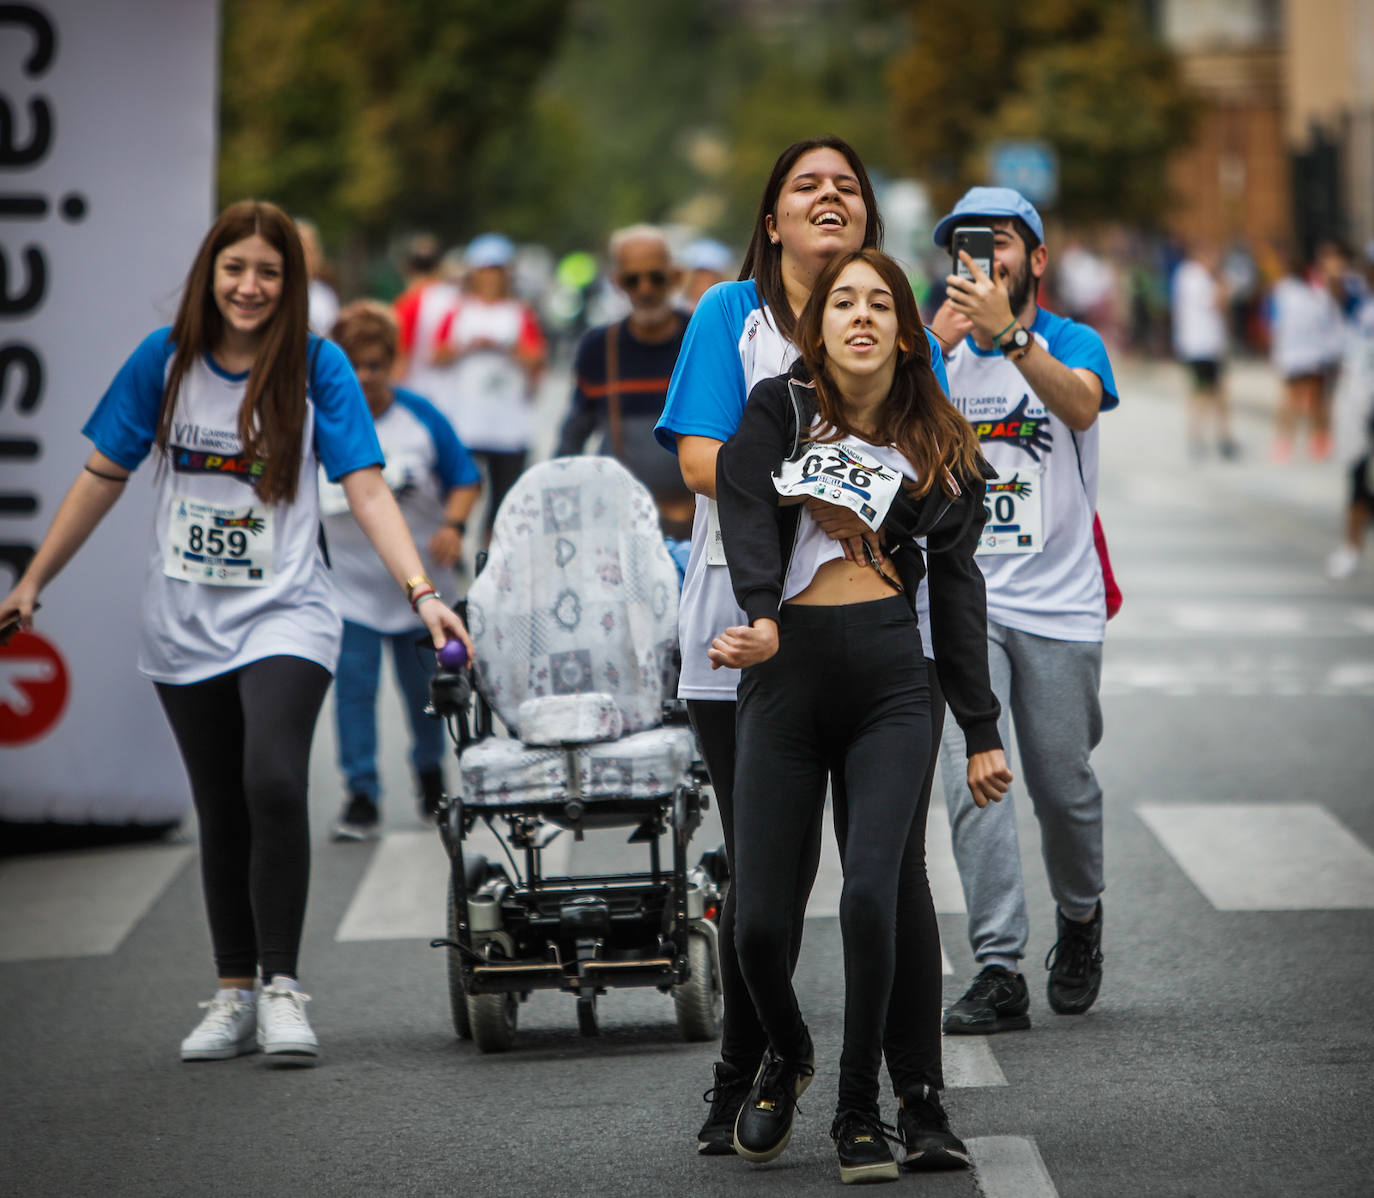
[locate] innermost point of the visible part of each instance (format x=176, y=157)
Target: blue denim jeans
x=355, y=704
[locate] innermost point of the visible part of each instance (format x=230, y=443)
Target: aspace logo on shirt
x=1017, y=428
x=196, y=461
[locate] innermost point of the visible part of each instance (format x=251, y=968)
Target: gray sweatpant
x=1049, y=689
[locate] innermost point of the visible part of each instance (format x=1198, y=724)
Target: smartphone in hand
x=977, y=241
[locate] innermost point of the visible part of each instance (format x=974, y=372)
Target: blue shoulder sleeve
x=937, y=362
x=1080, y=347
x=345, y=436
x=453, y=463
x=707, y=391
x=124, y=422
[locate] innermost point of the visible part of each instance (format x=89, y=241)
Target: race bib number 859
x=222, y=546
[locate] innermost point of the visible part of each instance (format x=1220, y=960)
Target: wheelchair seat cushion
x=569, y=719
x=651, y=764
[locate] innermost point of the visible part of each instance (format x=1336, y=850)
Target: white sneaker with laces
x=229, y=1028
x=1343, y=563
x=283, y=1030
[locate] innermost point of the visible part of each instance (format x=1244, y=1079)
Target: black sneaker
x=924, y=1129
x=358, y=820
x=717, y=1134
x=764, y=1123
x=998, y=1001
x=1075, y=964
x=861, y=1142
x=431, y=793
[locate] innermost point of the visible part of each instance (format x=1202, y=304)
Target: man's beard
x=1019, y=289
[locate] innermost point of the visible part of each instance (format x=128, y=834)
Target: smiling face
x=859, y=326
x=247, y=286
x=820, y=210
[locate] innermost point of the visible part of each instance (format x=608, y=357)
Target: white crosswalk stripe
x=81, y=904
x=1010, y=1167
x=1265, y=856
x=1153, y=620
x=1236, y=674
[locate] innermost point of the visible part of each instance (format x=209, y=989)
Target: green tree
x=1083, y=75
x=366, y=114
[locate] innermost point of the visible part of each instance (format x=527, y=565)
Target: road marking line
x=1265, y=856
x=1010, y=1167
x=81, y=904
x=969, y=1063
x=403, y=894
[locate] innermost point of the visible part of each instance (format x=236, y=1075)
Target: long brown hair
x=763, y=259
x=271, y=422
x=916, y=416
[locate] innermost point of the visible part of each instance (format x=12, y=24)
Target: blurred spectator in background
x=497, y=352
x=1199, y=320
x=1240, y=278
x=427, y=298
x=1085, y=285
x=1305, y=347
x=435, y=484
x=321, y=297
x=621, y=375
x=1354, y=427
x=707, y=263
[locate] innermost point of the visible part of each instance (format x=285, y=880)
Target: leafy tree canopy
x=1082, y=75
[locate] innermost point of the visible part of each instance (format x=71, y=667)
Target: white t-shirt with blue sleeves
x=1057, y=592
x=730, y=346
x=231, y=579
x=425, y=460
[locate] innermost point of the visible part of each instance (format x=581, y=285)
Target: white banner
x=107, y=167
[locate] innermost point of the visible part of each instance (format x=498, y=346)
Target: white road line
x=81, y=904
x=1010, y=1167
x=1237, y=676
x=1153, y=620
x=968, y=1062
x=1265, y=856
x=404, y=892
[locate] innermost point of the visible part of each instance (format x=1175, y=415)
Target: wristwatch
x=1017, y=339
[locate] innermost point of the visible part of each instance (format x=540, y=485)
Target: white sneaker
x=1343, y=563
x=283, y=1029
x=229, y=1028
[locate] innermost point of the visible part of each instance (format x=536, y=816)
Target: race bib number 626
x=843, y=474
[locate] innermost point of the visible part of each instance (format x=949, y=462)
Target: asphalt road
x=1230, y=1052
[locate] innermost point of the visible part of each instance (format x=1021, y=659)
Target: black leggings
x=245, y=738
x=846, y=694
x=912, y=1041
x=742, y=1039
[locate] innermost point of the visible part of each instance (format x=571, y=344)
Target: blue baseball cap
x=490, y=249
x=990, y=201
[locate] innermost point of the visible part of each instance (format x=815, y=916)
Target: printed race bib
x=221, y=546
x=1014, y=513
x=715, y=543
x=841, y=473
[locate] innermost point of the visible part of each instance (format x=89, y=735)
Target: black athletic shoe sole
x=937, y=1160
x=986, y=1027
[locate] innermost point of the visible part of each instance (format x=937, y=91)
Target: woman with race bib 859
x=240, y=635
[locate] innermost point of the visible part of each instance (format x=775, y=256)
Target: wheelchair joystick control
x=452, y=655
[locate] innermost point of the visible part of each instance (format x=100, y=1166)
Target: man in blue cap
x=1032, y=384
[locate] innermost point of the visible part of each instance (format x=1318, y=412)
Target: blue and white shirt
x=424, y=462
x=1057, y=592
x=730, y=346
x=202, y=615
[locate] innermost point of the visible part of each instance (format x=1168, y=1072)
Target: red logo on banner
x=33, y=688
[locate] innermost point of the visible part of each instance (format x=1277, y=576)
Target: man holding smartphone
x=1032, y=384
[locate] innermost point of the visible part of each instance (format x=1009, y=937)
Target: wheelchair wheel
x=493, y=1019
x=457, y=994
x=698, y=999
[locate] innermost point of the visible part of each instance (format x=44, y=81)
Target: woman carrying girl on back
x=240, y=406
x=834, y=680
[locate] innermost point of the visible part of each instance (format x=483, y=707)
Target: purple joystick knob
x=453, y=655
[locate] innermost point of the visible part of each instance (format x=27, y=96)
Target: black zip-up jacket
x=759, y=534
